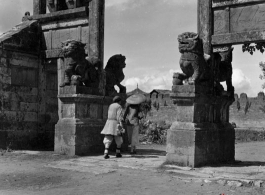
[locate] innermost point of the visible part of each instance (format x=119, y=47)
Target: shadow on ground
x=242, y=164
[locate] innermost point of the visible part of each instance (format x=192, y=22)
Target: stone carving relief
x=193, y=61
x=114, y=74
x=79, y=70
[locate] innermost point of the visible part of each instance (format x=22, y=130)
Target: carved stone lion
x=78, y=70
x=114, y=74
x=193, y=62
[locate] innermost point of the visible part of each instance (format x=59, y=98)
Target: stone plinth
x=201, y=134
x=81, y=119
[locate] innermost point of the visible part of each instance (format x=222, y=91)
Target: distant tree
x=262, y=76
x=248, y=105
x=238, y=105
x=154, y=104
x=262, y=108
x=252, y=47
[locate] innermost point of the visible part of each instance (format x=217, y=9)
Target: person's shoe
x=106, y=156
x=118, y=155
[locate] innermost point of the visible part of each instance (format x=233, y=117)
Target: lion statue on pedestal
x=79, y=70
x=198, y=67
x=193, y=61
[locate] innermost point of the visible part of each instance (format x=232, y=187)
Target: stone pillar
x=96, y=34
x=83, y=109
x=205, y=24
x=201, y=134
x=96, y=29
x=39, y=7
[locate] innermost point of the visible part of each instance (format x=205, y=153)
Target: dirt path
x=28, y=174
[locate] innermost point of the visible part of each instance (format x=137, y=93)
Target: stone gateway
x=57, y=96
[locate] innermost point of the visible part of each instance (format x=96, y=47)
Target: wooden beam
x=39, y=7
x=70, y=23
x=219, y=49
x=96, y=29
x=205, y=23
x=61, y=15
x=239, y=38
x=225, y=3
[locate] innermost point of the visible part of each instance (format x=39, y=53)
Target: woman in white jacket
x=110, y=129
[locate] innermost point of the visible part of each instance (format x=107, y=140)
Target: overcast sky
x=146, y=31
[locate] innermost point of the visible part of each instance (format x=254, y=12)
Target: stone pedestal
x=202, y=134
x=82, y=116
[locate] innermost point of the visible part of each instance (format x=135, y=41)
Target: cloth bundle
x=120, y=129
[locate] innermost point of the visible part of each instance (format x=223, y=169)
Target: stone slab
x=73, y=89
x=195, y=148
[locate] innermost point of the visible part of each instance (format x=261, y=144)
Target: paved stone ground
x=29, y=172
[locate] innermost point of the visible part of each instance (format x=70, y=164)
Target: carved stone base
x=81, y=119
x=73, y=89
x=202, y=134
x=75, y=137
x=199, y=146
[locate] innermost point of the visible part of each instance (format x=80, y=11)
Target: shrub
x=248, y=105
x=238, y=105
x=154, y=132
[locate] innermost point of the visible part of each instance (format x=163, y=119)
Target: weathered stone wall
x=162, y=99
x=27, y=122
x=254, y=117
x=48, y=107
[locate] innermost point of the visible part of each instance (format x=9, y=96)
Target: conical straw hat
x=136, y=99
